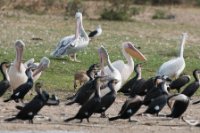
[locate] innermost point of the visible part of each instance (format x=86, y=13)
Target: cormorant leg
x=31, y=121
x=22, y=101
x=75, y=85
x=157, y=114
x=81, y=120
x=88, y=120
x=103, y=115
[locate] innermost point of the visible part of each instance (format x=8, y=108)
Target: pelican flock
x=99, y=91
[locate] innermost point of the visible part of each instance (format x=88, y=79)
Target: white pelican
x=174, y=67
x=69, y=45
x=17, y=70
x=126, y=70
x=97, y=32
x=113, y=73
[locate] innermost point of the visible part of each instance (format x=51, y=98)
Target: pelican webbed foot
x=72, y=57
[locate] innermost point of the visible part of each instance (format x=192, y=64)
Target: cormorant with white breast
x=129, y=108
x=23, y=89
x=5, y=82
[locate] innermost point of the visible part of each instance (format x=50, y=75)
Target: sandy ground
x=57, y=114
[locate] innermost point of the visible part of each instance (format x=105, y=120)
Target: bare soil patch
x=145, y=124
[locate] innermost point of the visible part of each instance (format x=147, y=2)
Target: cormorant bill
x=23, y=89
x=5, y=82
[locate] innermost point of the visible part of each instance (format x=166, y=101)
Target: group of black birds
x=28, y=110
x=154, y=93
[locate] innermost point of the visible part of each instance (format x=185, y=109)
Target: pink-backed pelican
x=17, y=70
x=69, y=45
x=174, y=67
x=129, y=51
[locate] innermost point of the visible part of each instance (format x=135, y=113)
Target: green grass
x=159, y=41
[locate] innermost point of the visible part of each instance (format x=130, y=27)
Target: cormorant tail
x=71, y=97
x=196, y=102
x=113, y=118
x=10, y=119
x=19, y=107
x=170, y=115
x=69, y=119
x=70, y=103
x=7, y=100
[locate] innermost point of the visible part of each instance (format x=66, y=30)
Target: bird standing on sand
x=33, y=107
x=91, y=105
x=23, y=89
x=129, y=108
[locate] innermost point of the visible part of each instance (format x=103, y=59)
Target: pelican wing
x=172, y=67
x=63, y=45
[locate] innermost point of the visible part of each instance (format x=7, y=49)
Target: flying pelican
x=97, y=32
x=128, y=50
x=69, y=45
x=113, y=73
x=174, y=67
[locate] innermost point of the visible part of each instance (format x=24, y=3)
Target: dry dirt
x=144, y=124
